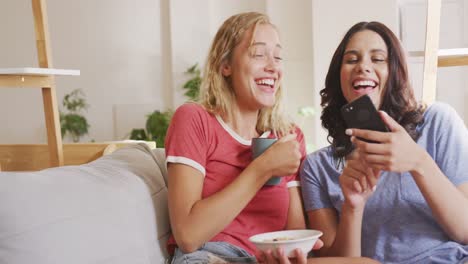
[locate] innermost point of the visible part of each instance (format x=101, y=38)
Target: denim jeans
x=214, y=252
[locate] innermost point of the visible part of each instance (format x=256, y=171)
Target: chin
x=262, y=106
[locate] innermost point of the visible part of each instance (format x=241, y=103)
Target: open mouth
x=266, y=82
x=361, y=86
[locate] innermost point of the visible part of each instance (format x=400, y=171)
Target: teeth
x=270, y=82
x=364, y=83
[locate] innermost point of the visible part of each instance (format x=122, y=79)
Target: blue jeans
x=214, y=252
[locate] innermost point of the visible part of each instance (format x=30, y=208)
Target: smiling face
x=364, y=68
x=255, y=68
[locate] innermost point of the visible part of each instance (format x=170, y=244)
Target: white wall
x=190, y=35
x=294, y=23
x=21, y=116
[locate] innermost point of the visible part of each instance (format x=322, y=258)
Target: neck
x=243, y=122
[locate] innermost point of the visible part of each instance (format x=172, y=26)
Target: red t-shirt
x=204, y=142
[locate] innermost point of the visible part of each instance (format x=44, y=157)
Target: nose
x=272, y=65
x=364, y=66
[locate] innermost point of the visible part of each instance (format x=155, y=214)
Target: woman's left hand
x=301, y=257
x=394, y=151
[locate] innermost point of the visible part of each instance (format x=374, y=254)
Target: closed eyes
x=260, y=52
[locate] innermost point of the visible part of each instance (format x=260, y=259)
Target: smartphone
x=361, y=113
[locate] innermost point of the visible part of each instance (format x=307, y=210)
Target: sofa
x=112, y=210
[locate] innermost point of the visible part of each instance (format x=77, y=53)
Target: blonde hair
x=216, y=93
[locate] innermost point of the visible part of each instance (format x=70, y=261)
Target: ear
x=226, y=69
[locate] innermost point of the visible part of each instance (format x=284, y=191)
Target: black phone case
x=361, y=114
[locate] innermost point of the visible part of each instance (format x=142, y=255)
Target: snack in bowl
x=278, y=239
x=288, y=240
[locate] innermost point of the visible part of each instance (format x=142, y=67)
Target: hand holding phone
x=361, y=114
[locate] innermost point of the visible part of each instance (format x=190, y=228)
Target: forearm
x=296, y=218
x=448, y=204
x=209, y=216
x=347, y=241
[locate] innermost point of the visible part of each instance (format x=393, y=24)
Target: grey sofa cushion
x=112, y=210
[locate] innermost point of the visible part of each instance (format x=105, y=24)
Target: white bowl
x=288, y=240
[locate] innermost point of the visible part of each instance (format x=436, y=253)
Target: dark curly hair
x=397, y=100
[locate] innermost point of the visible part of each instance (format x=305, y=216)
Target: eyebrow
x=356, y=52
x=264, y=44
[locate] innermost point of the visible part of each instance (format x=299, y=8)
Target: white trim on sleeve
x=293, y=184
x=186, y=161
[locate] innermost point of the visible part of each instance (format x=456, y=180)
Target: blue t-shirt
x=398, y=226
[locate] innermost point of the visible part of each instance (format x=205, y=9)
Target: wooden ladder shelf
x=435, y=57
x=43, y=77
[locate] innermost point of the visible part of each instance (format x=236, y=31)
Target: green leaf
x=71, y=121
x=192, y=86
x=138, y=134
x=75, y=125
x=157, y=124
x=75, y=101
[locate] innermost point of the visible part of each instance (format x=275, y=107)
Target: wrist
x=261, y=168
x=350, y=208
x=352, y=216
x=421, y=166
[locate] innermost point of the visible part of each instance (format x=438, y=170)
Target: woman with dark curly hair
x=399, y=196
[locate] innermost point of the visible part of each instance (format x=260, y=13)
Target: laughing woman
x=403, y=199
x=217, y=198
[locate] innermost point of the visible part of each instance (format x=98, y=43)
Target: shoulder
x=298, y=131
x=191, y=125
x=322, y=157
x=439, y=111
x=191, y=118
x=439, y=114
x=189, y=109
x=319, y=166
x=192, y=112
x=442, y=127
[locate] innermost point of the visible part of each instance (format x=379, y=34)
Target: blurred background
x=133, y=55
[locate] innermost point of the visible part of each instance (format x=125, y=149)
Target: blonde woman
x=217, y=197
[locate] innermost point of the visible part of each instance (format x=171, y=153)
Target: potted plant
x=192, y=86
x=158, y=122
x=72, y=122
x=155, y=129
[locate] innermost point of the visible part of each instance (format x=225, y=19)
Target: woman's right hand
x=283, y=157
x=357, y=181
